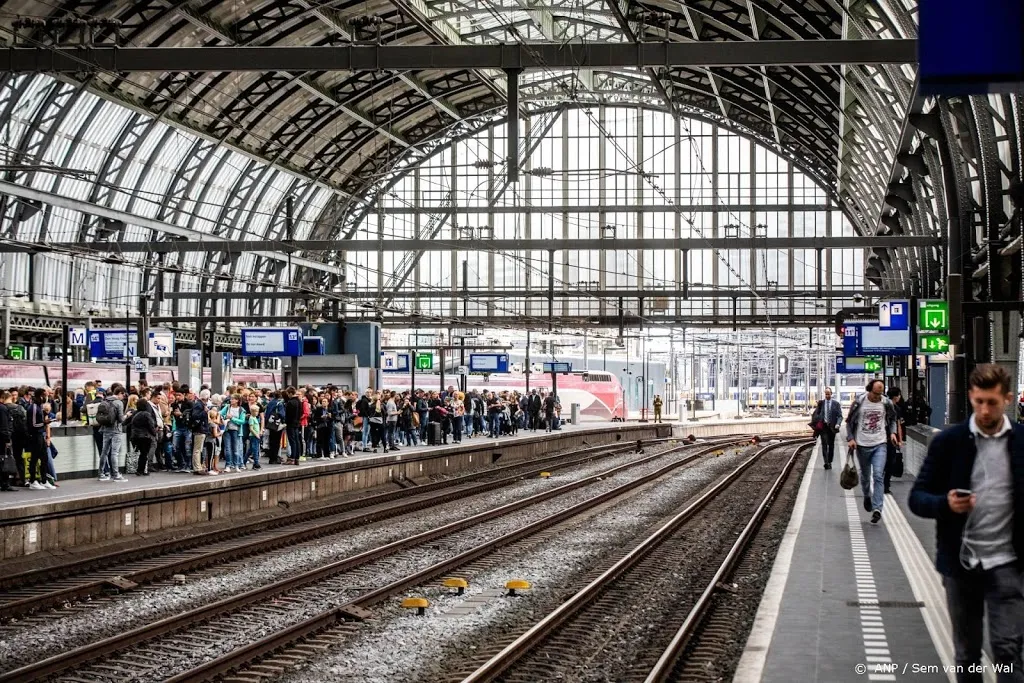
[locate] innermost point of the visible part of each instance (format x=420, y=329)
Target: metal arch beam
x=420, y=57
x=475, y=294
x=159, y=227
x=284, y=247
x=623, y=22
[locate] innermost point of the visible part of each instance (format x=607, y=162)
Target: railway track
x=569, y=642
x=298, y=607
x=36, y=590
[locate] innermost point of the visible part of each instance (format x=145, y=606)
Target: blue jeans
x=467, y=424
x=110, y=454
x=181, y=444
x=253, y=451
x=871, y=460
x=366, y=432
x=232, y=447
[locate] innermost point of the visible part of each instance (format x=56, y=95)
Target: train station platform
x=85, y=511
x=848, y=600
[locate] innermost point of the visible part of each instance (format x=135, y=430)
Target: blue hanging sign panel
x=488, y=362
x=111, y=343
x=273, y=342
x=557, y=367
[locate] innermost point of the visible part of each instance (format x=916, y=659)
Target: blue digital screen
x=970, y=47
x=488, y=362
x=271, y=341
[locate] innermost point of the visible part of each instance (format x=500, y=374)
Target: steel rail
x=85, y=654
x=448, y=488
x=526, y=642
x=663, y=668
x=358, y=607
x=446, y=492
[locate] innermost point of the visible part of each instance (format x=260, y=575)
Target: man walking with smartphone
x=972, y=484
x=870, y=427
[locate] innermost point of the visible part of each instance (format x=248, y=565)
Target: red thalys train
x=598, y=393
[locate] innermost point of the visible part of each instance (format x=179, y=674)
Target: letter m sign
x=77, y=336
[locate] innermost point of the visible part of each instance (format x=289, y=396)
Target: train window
x=597, y=377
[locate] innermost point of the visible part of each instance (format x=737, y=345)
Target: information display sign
x=394, y=362
x=856, y=365
x=866, y=339
x=78, y=336
x=488, y=362
x=271, y=341
x=161, y=344
x=113, y=343
x=894, y=315
x=557, y=367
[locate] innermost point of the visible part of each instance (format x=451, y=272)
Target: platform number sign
x=933, y=316
x=424, y=361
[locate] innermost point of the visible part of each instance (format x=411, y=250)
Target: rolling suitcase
x=433, y=433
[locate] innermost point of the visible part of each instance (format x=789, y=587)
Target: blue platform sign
x=867, y=339
x=894, y=315
x=394, y=362
x=274, y=342
x=111, y=343
x=488, y=362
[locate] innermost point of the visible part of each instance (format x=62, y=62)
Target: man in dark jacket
x=972, y=484
x=825, y=422
x=6, y=428
x=293, y=427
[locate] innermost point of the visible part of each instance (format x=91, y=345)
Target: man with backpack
x=199, y=422
x=109, y=416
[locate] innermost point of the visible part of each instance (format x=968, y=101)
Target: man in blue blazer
x=972, y=484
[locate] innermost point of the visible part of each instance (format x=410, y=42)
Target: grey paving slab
x=818, y=636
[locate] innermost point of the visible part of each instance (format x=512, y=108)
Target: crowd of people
x=174, y=428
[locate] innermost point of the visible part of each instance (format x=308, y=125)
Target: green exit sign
x=872, y=365
x=933, y=343
x=933, y=316
x=424, y=361
x=16, y=352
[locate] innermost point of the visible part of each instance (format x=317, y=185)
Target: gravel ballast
x=396, y=646
x=20, y=642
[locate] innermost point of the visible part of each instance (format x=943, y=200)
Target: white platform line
x=872, y=637
x=926, y=584
x=755, y=653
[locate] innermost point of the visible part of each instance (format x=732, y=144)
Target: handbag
x=849, y=478
x=9, y=466
x=894, y=461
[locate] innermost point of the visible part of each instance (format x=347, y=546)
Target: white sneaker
x=104, y=477
x=49, y=486
x=36, y=486
x=119, y=478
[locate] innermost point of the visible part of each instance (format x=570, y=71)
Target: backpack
x=104, y=415
x=197, y=414
x=275, y=418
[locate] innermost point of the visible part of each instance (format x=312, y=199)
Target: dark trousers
x=294, y=443
x=144, y=446
x=377, y=432
x=969, y=596
x=828, y=445
x=274, y=447
x=37, y=444
x=323, y=441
